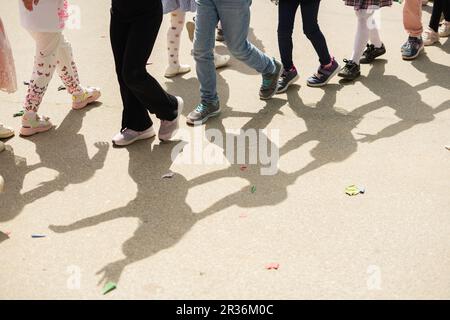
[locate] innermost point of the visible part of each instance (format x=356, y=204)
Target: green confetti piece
x=110, y=286
x=18, y=114
x=253, y=190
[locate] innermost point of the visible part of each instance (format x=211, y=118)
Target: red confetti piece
x=273, y=266
x=243, y=168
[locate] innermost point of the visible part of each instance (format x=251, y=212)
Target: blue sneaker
x=270, y=82
x=323, y=75
x=202, y=113
x=412, y=48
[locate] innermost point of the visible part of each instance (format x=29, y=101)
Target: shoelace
x=412, y=42
x=201, y=108
x=349, y=63
x=370, y=48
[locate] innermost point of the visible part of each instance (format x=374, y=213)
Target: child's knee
x=311, y=31
x=241, y=51
x=131, y=76
x=203, y=51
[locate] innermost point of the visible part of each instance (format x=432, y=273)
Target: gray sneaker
x=270, y=82
x=203, y=112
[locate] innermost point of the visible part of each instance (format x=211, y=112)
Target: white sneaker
x=32, y=123
x=169, y=128
x=173, y=71
x=444, y=29
x=128, y=136
x=430, y=37
x=5, y=132
x=221, y=60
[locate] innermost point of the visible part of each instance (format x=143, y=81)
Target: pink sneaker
x=32, y=124
x=168, y=128
x=89, y=95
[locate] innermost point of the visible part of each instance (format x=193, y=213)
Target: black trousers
x=287, y=10
x=439, y=7
x=133, y=31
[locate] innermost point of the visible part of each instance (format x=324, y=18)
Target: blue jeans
x=234, y=16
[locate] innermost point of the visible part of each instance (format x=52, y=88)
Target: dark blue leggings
x=439, y=7
x=287, y=10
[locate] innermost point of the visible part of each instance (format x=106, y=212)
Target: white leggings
x=52, y=52
x=177, y=19
x=367, y=29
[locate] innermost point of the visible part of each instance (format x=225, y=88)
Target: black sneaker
x=371, y=53
x=287, y=78
x=350, y=71
x=270, y=82
x=203, y=112
x=412, y=48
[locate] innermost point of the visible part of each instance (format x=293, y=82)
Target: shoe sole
x=350, y=78
x=415, y=56
x=141, y=137
x=429, y=44
x=87, y=102
x=28, y=132
x=174, y=132
x=288, y=85
x=275, y=90
x=6, y=136
x=200, y=122
x=326, y=82
x=173, y=75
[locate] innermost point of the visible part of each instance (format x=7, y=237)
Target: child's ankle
x=329, y=65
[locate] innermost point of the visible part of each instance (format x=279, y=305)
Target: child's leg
x=447, y=11
x=47, y=45
x=44, y=66
x=438, y=8
x=235, y=19
x=374, y=31
x=362, y=34
x=310, y=10
x=177, y=19
x=135, y=115
x=286, y=19
x=204, y=43
x=412, y=17
x=67, y=68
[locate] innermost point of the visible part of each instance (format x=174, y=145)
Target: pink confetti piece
x=273, y=266
x=243, y=168
x=242, y=215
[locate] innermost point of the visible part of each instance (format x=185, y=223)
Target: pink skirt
x=8, y=81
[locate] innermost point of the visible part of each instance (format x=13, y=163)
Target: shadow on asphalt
x=160, y=204
x=63, y=150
